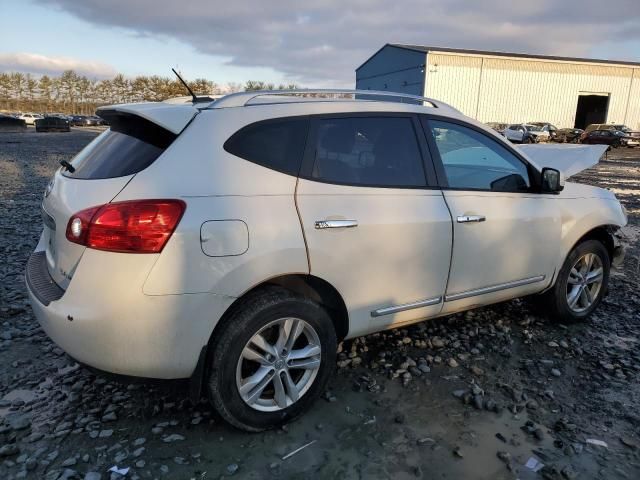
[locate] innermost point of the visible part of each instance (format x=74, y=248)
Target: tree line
x=73, y=93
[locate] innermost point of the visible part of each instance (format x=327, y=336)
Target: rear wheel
x=581, y=283
x=272, y=360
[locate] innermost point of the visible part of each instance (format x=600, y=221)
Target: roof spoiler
x=171, y=117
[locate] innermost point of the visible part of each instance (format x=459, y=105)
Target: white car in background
x=526, y=133
x=30, y=118
x=236, y=242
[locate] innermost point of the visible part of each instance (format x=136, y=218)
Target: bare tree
x=73, y=93
x=17, y=88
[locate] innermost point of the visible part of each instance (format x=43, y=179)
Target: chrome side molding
x=493, y=288
x=405, y=306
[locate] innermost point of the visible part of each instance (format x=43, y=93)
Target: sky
x=313, y=44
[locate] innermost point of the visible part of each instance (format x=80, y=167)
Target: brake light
x=138, y=226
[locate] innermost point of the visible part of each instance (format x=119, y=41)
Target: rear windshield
x=129, y=146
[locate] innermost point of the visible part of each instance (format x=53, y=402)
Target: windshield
x=533, y=128
x=622, y=128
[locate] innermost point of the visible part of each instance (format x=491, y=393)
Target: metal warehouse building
x=510, y=87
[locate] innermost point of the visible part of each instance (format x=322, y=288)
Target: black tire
x=554, y=302
x=252, y=314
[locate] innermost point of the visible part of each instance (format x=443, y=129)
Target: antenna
x=193, y=95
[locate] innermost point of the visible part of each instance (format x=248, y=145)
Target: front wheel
x=272, y=360
x=581, y=283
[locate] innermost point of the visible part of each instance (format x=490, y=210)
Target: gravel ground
x=474, y=395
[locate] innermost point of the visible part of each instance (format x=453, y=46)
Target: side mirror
x=552, y=180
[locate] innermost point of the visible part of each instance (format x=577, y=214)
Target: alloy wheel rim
x=278, y=365
x=584, y=282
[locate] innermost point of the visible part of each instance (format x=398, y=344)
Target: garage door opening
x=592, y=108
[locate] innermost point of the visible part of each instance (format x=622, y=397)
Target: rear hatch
x=136, y=138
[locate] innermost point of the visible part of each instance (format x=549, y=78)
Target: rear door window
x=129, y=146
x=368, y=151
x=276, y=144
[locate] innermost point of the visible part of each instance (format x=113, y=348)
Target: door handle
x=322, y=224
x=470, y=218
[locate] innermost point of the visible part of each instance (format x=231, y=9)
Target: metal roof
x=427, y=49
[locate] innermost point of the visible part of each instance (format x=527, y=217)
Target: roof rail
x=243, y=99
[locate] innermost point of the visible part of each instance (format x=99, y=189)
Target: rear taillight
x=138, y=226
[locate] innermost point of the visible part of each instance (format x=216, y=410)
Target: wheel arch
x=604, y=234
x=304, y=285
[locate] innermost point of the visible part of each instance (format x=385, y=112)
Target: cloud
x=42, y=64
x=322, y=42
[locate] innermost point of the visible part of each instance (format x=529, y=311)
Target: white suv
x=236, y=242
x=30, y=118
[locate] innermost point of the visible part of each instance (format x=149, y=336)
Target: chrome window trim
x=405, y=306
x=493, y=288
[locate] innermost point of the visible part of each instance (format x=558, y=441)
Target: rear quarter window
x=129, y=146
x=275, y=144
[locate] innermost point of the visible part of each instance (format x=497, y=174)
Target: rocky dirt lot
x=475, y=395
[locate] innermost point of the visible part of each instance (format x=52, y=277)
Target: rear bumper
x=39, y=281
x=105, y=321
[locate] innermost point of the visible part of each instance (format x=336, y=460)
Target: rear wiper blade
x=67, y=166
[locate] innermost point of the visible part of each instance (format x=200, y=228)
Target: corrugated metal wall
x=633, y=110
x=525, y=90
x=454, y=80
x=393, y=69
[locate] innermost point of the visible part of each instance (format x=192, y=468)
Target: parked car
x=629, y=137
x=612, y=138
x=547, y=127
x=30, y=118
x=525, y=133
x=236, y=242
x=568, y=135
x=9, y=123
x=52, y=123
x=498, y=127
x=95, y=120
x=77, y=120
